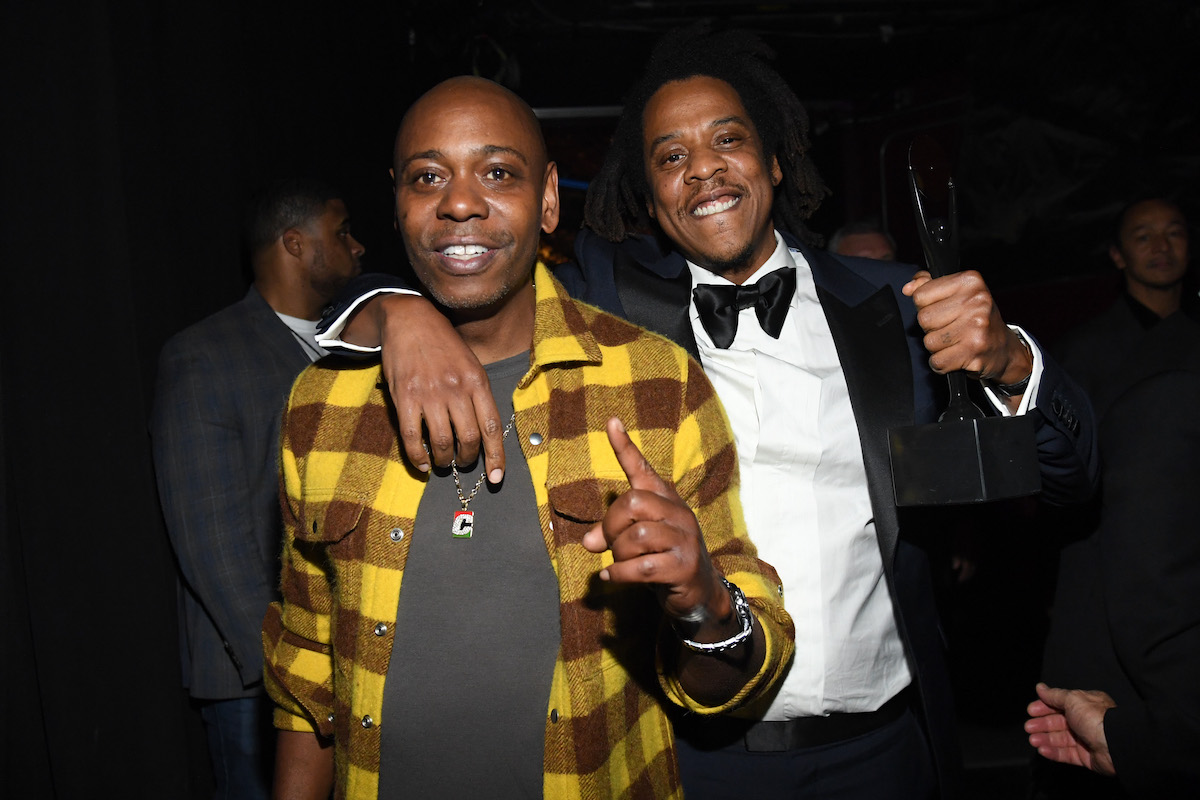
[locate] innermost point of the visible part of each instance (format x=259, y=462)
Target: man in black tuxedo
x=222, y=384
x=816, y=358
x=1125, y=631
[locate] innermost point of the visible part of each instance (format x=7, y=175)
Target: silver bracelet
x=742, y=609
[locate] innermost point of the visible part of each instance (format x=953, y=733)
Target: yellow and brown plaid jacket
x=349, y=504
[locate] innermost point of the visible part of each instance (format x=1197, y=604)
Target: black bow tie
x=771, y=297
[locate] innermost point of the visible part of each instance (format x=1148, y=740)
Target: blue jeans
x=241, y=744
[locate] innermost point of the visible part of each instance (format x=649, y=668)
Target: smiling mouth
x=464, y=252
x=716, y=206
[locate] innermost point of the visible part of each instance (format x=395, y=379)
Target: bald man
x=524, y=656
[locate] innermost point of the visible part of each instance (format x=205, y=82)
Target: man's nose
x=461, y=201
x=704, y=164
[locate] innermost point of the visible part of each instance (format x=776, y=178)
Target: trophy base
x=973, y=461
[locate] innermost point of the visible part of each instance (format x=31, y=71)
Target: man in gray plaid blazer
x=221, y=388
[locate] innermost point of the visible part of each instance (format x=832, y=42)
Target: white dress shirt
x=804, y=491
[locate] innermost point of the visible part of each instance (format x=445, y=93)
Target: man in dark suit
x=1150, y=248
x=1125, y=631
x=221, y=388
x=814, y=364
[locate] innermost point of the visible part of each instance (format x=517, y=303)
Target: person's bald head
x=468, y=92
x=474, y=190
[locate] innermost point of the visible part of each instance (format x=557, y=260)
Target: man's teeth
x=464, y=250
x=715, y=206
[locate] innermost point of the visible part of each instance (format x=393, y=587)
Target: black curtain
x=133, y=134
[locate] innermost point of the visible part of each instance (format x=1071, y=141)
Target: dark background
x=133, y=132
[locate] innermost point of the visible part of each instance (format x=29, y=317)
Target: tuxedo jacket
x=879, y=345
x=222, y=385
x=1127, y=607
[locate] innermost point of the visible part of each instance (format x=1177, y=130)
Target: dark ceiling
x=1054, y=113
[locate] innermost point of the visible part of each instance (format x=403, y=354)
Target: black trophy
x=965, y=457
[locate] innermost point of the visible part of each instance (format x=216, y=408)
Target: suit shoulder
x=880, y=273
x=229, y=323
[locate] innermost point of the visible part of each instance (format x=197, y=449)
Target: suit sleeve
x=200, y=464
x=1065, y=428
x=1150, y=567
x=706, y=477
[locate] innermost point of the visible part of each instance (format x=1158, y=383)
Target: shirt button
x=330, y=718
x=367, y=722
x=554, y=715
x=397, y=534
x=380, y=628
x=535, y=439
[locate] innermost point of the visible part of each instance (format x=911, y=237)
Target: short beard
x=733, y=264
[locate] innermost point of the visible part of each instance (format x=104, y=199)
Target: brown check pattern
x=349, y=501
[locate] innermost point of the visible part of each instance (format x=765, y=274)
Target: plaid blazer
x=349, y=502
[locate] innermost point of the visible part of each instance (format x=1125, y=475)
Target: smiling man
x=525, y=655
x=815, y=357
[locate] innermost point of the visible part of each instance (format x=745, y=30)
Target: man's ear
x=293, y=242
x=550, y=198
x=776, y=172
x=1114, y=253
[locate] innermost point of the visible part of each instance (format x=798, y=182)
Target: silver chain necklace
x=464, y=519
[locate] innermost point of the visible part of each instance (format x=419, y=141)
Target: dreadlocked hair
x=616, y=200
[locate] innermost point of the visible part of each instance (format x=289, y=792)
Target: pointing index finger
x=637, y=469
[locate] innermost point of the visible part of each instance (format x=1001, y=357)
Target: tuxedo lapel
x=868, y=331
x=657, y=297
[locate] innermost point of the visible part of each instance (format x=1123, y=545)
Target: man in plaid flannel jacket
x=473, y=189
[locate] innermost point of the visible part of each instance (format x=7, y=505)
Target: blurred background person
x=866, y=239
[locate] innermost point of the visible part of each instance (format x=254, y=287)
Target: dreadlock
x=616, y=199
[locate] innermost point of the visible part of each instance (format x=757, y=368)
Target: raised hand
x=964, y=329
x=655, y=539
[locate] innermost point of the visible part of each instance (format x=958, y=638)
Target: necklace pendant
x=464, y=524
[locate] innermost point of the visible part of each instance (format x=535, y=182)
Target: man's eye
x=498, y=173
x=427, y=177
x=673, y=158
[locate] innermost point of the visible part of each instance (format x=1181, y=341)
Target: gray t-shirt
x=477, y=635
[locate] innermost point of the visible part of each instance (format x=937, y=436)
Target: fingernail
x=603, y=574
x=423, y=467
x=620, y=425
x=496, y=475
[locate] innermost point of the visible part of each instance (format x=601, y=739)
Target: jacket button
x=397, y=534
x=330, y=717
x=367, y=722
x=380, y=628
x=535, y=439
x=554, y=715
